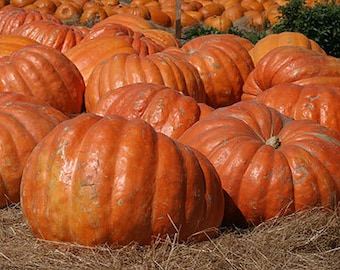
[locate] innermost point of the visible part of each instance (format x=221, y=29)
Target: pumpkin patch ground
x=308, y=240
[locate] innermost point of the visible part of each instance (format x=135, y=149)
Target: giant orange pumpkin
x=12, y=17
x=108, y=180
x=160, y=68
x=59, y=36
x=138, y=41
x=165, y=109
x=318, y=103
x=86, y=55
x=10, y=43
x=282, y=39
x=24, y=121
x=292, y=64
x=43, y=72
x=269, y=164
x=223, y=63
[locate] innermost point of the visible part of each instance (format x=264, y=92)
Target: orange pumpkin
x=223, y=63
x=319, y=103
x=172, y=190
x=163, y=68
x=12, y=17
x=221, y=23
x=292, y=64
x=92, y=14
x=86, y=55
x=269, y=164
x=165, y=109
x=58, y=36
x=45, y=73
x=24, y=122
x=272, y=41
x=10, y=43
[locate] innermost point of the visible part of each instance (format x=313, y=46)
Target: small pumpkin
x=172, y=189
x=219, y=22
x=92, y=14
x=269, y=164
x=68, y=12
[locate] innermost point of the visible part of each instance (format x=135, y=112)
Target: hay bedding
x=309, y=240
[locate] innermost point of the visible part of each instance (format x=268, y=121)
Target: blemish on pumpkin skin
x=120, y=202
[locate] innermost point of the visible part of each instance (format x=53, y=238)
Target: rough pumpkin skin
x=159, y=68
x=318, y=103
x=24, y=121
x=45, y=73
x=292, y=64
x=96, y=180
x=223, y=63
x=164, y=108
x=269, y=164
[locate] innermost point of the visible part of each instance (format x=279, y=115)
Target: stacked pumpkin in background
x=220, y=14
x=145, y=137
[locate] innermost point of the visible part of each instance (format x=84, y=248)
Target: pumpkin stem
x=274, y=141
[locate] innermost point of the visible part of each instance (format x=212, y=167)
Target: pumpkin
x=223, y=63
x=318, y=103
x=21, y=3
x=138, y=41
x=158, y=68
x=107, y=180
x=234, y=12
x=92, y=14
x=134, y=22
x=43, y=72
x=161, y=37
x=48, y=5
x=68, y=12
x=219, y=22
x=12, y=17
x=272, y=41
x=86, y=55
x=269, y=164
x=165, y=109
x=139, y=11
x=10, y=43
x=24, y=122
x=159, y=17
x=292, y=64
x=59, y=36
x=211, y=9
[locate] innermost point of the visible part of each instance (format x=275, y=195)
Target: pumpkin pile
x=219, y=14
x=117, y=133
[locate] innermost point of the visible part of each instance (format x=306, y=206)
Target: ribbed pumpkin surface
x=24, y=121
x=121, y=69
x=97, y=180
x=43, y=72
x=269, y=164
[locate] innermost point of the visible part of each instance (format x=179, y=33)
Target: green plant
x=319, y=23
